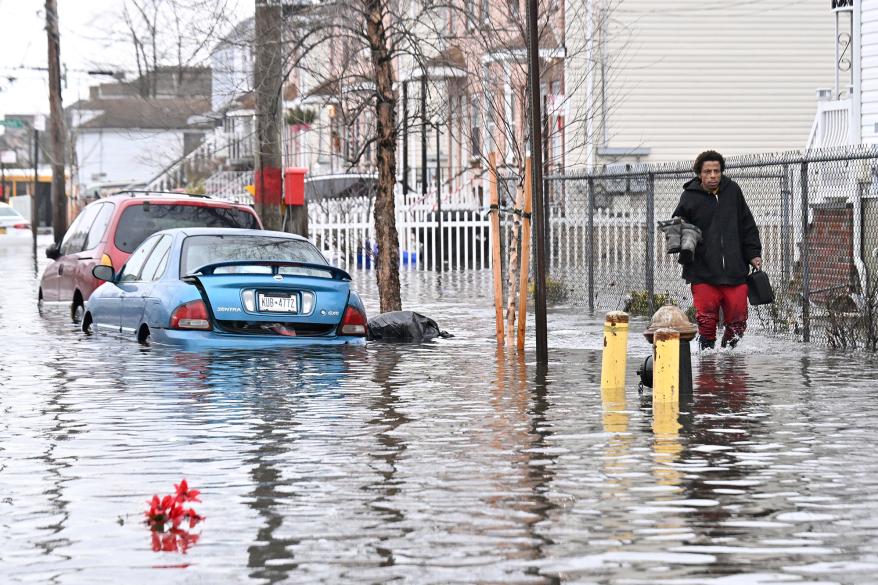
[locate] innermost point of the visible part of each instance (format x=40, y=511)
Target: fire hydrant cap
x=671, y=317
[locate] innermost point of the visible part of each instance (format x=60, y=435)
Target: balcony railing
x=832, y=125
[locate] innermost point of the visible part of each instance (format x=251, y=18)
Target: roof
x=164, y=82
x=136, y=112
x=208, y=231
x=242, y=33
x=160, y=197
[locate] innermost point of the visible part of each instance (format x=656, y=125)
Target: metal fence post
x=650, y=243
x=786, y=197
x=806, y=269
x=547, y=222
x=590, y=241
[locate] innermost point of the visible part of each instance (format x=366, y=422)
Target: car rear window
x=200, y=251
x=138, y=222
x=7, y=212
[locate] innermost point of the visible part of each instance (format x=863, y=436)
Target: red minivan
x=108, y=230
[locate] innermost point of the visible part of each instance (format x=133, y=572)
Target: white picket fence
x=346, y=235
x=344, y=231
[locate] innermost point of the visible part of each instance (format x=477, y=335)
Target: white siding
x=125, y=155
x=738, y=77
x=869, y=60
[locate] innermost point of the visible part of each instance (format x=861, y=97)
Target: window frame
x=123, y=273
x=77, y=228
x=162, y=260
x=108, y=208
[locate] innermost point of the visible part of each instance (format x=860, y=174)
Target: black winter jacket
x=730, y=238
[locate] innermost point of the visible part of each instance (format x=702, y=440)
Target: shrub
x=556, y=292
x=637, y=303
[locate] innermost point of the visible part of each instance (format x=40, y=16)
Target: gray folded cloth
x=673, y=230
x=680, y=238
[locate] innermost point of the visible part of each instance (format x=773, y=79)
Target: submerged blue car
x=224, y=287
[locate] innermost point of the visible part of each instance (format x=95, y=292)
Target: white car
x=12, y=222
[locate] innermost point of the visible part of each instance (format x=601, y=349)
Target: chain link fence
x=817, y=215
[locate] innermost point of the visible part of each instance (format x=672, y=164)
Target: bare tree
x=167, y=33
x=356, y=50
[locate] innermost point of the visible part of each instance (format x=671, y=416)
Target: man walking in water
x=730, y=241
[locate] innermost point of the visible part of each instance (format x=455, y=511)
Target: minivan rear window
x=140, y=221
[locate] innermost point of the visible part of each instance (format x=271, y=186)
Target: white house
x=663, y=81
x=121, y=137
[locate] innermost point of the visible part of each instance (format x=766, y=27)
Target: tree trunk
x=387, y=268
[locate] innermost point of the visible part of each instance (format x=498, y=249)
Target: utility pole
x=268, y=76
x=56, y=113
x=539, y=217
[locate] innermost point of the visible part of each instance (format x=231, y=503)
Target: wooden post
x=615, y=354
x=268, y=76
x=525, y=253
x=56, y=120
x=512, y=266
x=495, y=244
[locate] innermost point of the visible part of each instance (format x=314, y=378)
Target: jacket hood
x=694, y=184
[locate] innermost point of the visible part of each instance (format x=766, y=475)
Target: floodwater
x=448, y=462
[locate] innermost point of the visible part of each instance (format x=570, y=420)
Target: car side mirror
x=53, y=251
x=103, y=272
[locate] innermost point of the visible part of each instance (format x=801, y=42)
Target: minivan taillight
x=353, y=322
x=192, y=315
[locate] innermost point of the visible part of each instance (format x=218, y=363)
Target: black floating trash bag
x=403, y=326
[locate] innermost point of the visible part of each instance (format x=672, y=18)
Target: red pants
x=709, y=299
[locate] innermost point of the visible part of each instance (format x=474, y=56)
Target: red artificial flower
x=157, y=513
x=170, y=510
x=184, y=494
x=176, y=514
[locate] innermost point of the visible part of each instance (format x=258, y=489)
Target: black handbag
x=759, y=288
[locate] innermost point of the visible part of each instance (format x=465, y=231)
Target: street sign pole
x=34, y=215
x=39, y=125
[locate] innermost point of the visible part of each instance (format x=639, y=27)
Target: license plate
x=277, y=304
x=2, y=230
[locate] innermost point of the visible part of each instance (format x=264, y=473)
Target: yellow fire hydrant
x=670, y=373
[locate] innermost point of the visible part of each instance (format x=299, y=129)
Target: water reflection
x=391, y=447
x=433, y=463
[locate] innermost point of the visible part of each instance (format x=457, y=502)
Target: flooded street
x=447, y=462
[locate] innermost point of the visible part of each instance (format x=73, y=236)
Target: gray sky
x=85, y=44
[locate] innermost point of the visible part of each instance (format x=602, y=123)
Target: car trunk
x=281, y=304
